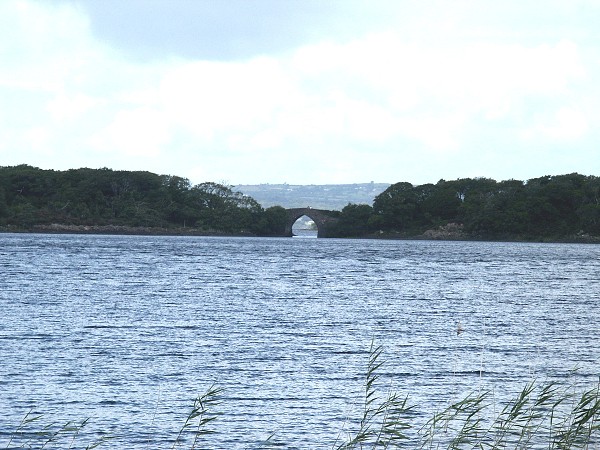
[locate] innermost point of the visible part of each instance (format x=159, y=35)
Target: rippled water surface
x=127, y=330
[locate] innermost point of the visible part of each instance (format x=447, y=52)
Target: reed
x=199, y=417
x=385, y=420
x=543, y=415
x=52, y=434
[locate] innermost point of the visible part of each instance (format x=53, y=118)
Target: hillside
x=325, y=196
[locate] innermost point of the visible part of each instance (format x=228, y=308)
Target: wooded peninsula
x=563, y=208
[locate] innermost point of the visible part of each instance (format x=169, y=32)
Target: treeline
x=31, y=197
x=564, y=207
x=547, y=208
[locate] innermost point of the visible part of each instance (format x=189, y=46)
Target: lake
x=128, y=330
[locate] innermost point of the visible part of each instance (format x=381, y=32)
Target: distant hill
x=324, y=196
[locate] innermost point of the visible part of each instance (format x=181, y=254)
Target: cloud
x=329, y=107
x=42, y=45
x=141, y=132
x=63, y=107
x=564, y=124
x=212, y=97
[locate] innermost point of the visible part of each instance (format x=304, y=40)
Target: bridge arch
x=323, y=219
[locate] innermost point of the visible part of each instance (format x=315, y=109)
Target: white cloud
x=64, y=107
x=430, y=92
x=42, y=45
x=139, y=132
x=37, y=138
x=564, y=124
x=334, y=103
x=210, y=97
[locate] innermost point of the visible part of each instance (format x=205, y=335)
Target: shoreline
x=124, y=230
x=443, y=234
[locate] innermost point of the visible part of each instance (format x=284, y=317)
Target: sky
x=302, y=91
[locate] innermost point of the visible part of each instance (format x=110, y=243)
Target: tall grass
x=199, y=417
x=27, y=435
x=385, y=420
x=543, y=415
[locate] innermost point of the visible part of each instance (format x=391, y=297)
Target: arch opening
x=305, y=227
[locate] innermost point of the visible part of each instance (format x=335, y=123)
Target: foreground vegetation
x=551, y=208
x=543, y=415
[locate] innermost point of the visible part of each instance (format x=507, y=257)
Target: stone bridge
x=323, y=219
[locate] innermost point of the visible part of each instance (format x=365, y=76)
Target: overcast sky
x=302, y=91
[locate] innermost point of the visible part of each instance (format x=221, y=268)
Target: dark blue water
x=128, y=330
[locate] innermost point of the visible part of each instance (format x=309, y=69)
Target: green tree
x=440, y=203
x=549, y=207
x=501, y=213
x=221, y=208
x=589, y=211
x=354, y=221
x=272, y=222
x=397, y=207
x=3, y=205
x=553, y=203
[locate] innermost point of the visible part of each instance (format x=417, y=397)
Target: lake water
x=127, y=330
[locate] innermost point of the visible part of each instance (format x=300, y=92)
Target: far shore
x=450, y=232
x=117, y=230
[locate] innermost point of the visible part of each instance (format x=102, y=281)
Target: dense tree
x=3, y=207
x=273, y=222
x=30, y=196
x=354, y=221
x=397, y=206
x=439, y=203
x=546, y=208
x=221, y=208
x=550, y=207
